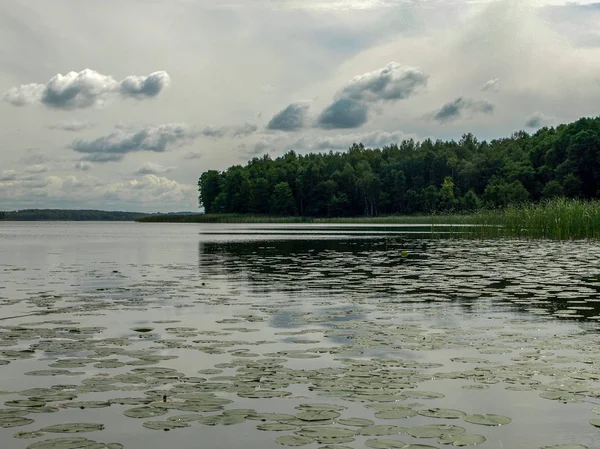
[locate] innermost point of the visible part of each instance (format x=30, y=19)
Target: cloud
x=192, y=155
x=113, y=147
x=238, y=131
x=144, y=86
x=491, y=85
x=152, y=168
x=343, y=113
x=538, y=120
x=72, y=125
x=373, y=139
x=350, y=109
x=292, y=118
x=83, y=166
x=455, y=109
x=390, y=83
x=8, y=175
x=85, y=89
x=35, y=169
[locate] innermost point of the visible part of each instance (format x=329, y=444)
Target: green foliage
x=414, y=177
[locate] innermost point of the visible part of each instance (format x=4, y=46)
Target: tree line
x=414, y=177
x=69, y=215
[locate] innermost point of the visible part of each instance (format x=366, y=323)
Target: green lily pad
x=73, y=428
x=488, y=420
x=293, y=440
x=381, y=430
x=164, y=425
x=87, y=404
x=435, y=431
x=462, y=440
x=222, y=420
x=317, y=415
x=321, y=407
x=62, y=443
x=396, y=414
x=445, y=413
x=14, y=421
x=565, y=446
x=145, y=412
x=27, y=435
x=355, y=422
x=25, y=403
x=382, y=443
x=276, y=427
x=184, y=418
x=595, y=422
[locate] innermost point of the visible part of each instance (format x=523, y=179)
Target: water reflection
x=539, y=278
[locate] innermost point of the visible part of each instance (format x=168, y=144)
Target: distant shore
x=557, y=219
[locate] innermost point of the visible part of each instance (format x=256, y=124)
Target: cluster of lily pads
x=341, y=356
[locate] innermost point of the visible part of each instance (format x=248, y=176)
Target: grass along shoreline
x=557, y=219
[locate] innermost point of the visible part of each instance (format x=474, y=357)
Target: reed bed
x=556, y=219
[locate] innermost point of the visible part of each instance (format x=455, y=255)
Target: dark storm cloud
x=292, y=118
x=343, y=113
x=455, y=109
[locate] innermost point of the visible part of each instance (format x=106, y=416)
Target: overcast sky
x=122, y=104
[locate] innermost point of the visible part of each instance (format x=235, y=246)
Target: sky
x=122, y=104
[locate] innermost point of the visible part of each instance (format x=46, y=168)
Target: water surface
x=358, y=317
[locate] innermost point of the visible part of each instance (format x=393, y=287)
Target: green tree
x=282, y=200
x=447, y=200
x=209, y=186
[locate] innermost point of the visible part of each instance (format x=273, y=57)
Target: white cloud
x=80, y=90
x=115, y=146
x=152, y=168
x=73, y=125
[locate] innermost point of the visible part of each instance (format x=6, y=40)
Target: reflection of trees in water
x=523, y=275
x=292, y=265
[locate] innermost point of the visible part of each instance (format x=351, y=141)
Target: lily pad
x=276, y=427
x=317, y=415
x=355, y=422
x=444, y=413
x=396, y=414
x=382, y=443
x=164, y=425
x=73, y=428
x=381, y=430
x=14, y=421
x=435, y=431
x=293, y=440
x=222, y=420
x=145, y=412
x=488, y=420
x=462, y=440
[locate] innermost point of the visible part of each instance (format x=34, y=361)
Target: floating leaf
x=356, y=422
x=164, y=425
x=317, y=415
x=145, y=412
x=462, y=440
x=445, y=413
x=294, y=440
x=435, y=431
x=381, y=430
x=276, y=427
x=73, y=428
x=488, y=420
x=381, y=443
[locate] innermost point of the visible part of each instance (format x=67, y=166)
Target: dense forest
x=69, y=215
x=414, y=177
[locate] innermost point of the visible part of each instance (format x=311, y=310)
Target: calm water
x=221, y=318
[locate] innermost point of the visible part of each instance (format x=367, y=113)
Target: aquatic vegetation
x=386, y=358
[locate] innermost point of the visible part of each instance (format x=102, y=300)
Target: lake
x=270, y=336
